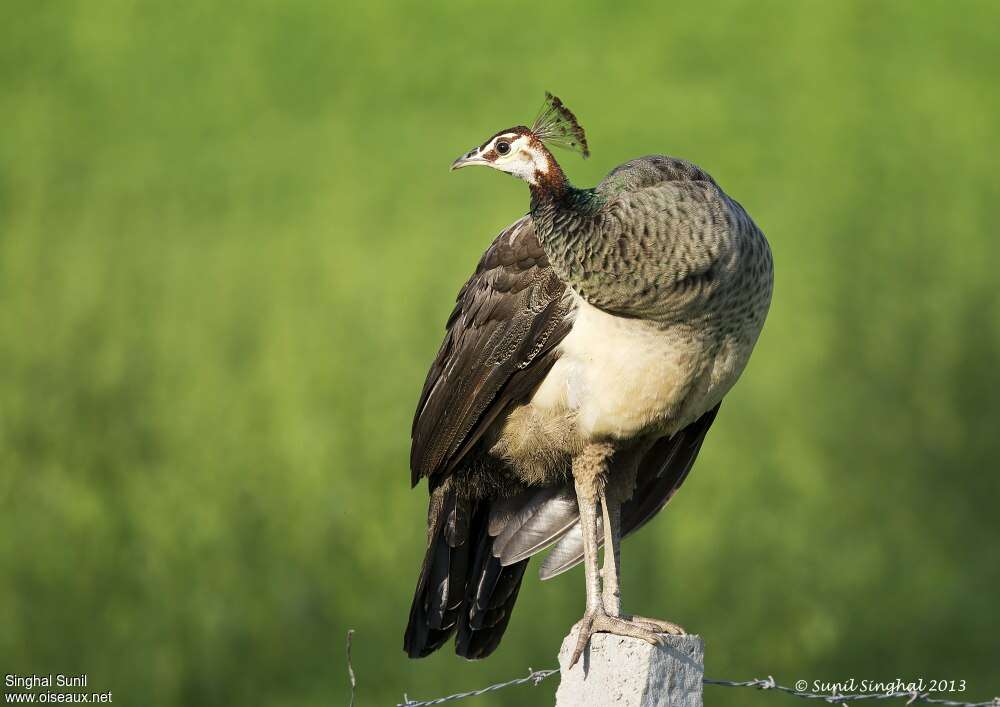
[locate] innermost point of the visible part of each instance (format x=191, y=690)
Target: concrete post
x=628, y=672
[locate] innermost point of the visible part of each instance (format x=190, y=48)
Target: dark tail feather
x=461, y=584
x=441, y=587
x=490, y=597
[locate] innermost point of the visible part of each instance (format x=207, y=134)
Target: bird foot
x=598, y=621
x=660, y=625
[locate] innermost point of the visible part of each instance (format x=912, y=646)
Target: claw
x=586, y=626
x=659, y=625
x=597, y=621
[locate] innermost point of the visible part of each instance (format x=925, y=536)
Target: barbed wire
x=536, y=676
x=911, y=696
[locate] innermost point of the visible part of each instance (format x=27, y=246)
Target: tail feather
x=462, y=586
x=491, y=587
x=474, y=643
x=441, y=585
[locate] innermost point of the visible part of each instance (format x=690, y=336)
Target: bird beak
x=469, y=158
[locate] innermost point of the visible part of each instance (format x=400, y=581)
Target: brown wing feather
x=663, y=470
x=498, y=347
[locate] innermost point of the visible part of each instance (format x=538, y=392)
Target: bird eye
x=503, y=148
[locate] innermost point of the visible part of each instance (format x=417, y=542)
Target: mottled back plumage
x=660, y=240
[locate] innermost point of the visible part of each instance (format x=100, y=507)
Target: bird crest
x=556, y=125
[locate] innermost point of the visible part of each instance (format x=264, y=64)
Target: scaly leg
x=589, y=471
x=612, y=594
x=612, y=598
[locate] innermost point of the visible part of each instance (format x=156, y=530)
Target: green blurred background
x=228, y=244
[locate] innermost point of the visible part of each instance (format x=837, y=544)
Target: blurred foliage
x=228, y=245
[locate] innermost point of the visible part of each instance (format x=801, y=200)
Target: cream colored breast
x=624, y=376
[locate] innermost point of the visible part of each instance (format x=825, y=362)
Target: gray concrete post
x=628, y=672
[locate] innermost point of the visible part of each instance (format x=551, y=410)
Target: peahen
x=582, y=367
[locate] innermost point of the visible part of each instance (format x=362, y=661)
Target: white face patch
x=523, y=161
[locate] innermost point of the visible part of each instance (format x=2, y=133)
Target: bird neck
x=557, y=206
x=566, y=221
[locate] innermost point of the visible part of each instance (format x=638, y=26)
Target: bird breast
x=618, y=378
x=624, y=377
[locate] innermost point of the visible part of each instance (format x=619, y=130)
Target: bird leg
x=611, y=593
x=611, y=590
x=589, y=476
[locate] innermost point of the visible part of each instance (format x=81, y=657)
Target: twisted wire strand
x=769, y=683
x=912, y=697
x=534, y=676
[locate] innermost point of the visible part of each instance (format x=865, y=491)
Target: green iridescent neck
x=562, y=208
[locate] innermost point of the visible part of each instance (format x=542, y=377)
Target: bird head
x=522, y=151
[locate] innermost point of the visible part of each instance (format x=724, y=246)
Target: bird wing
x=661, y=472
x=499, y=345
